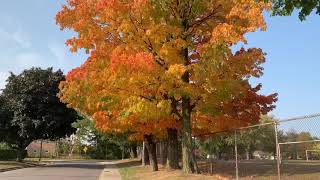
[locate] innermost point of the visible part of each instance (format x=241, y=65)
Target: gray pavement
x=76, y=170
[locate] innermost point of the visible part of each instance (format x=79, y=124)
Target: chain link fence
x=284, y=149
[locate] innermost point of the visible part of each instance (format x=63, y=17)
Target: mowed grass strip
x=10, y=164
x=132, y=170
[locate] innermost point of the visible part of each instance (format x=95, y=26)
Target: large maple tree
x=168, y=64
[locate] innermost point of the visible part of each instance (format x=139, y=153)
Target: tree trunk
x=173, y=152
x=106, y=155
x=20, y=153
x=151, y=147
x=247, y=155
x=187, y=165
x=40, y=153
x=122, y=152
x=133, y=153
x=188, y=160
x=163, y=152
x=145, y=156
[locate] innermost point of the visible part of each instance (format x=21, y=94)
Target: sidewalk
x=110, y=172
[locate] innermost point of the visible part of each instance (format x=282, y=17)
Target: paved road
x=59, y=171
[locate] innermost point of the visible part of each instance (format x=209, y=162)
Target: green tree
x=102, y=145
x=34, y=110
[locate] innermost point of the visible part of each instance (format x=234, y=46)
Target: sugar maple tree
x=165, y=63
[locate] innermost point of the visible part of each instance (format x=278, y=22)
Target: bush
x=10, y=154
x=7, y=154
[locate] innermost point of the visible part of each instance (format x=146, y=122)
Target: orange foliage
x=132, y=80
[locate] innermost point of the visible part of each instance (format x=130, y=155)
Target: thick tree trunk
x=188, y=160
x=151, y=147
x=20, y=153
x=163, y=152
x=145, y=155
x=186, y=137
x=173, y=152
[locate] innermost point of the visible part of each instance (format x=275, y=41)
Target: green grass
x=130, y=173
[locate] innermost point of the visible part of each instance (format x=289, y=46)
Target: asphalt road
x=81, y=170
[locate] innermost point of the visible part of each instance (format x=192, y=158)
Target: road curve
x=82, y=170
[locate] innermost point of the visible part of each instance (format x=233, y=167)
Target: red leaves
x=132, y=62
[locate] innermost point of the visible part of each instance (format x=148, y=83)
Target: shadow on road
x=78, y=165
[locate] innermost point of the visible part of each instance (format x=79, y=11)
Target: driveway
x=76, y=170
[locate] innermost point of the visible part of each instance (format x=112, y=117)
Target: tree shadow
x=131, y=163
x=78, y=165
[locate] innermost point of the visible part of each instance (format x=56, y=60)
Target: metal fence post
x=236, y=153
x=277, y=150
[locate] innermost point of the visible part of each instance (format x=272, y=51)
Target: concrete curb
x=110, y=173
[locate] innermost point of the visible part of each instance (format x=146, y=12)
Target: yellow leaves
x=176, y=71
x=226, y=33
x=245, y=16
x=171, y=51
x=146, y=110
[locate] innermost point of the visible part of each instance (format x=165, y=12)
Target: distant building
x=48, y=149
x=261, y=155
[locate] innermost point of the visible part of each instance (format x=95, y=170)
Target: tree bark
x=106, y=149
x=163, y=152
x=133, y=153
x=122, y=152
x=151, y=147
x=188, y=160
x=19, y=155
x=247, y=155
x=20, y=152
x=145, y=156
x=173, y=152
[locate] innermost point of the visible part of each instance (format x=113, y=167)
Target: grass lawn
x=10, y=164
x=131, y=170
x=248, y=170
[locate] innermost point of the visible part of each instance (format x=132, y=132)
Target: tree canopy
x=156, y=65
x=32, y=109
x=305, y=7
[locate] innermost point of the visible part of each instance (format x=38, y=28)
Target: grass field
x=133, y=171
x=265, y=169
x=253, y=169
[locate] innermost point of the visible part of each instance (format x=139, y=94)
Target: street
x=82, y=170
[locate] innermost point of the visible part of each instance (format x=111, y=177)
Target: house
x=49, y=148
x=261, y=155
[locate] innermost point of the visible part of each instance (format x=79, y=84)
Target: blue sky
x=29, y=37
